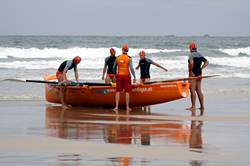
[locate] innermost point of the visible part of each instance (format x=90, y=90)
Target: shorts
x=199, y=78
x=59, y=75
x=143, y=80
x=123, y=82
x=111, y=77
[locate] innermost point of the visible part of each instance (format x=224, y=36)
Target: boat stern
x=183, y=88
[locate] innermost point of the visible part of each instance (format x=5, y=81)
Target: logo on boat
x=142, y=90
x=102, y=91
x=105, y=91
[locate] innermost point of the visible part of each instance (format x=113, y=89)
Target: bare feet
x=191, y=108
x=65, y=107
x=201, y=108
x=68, y=105
x=128, y=110
x=115, y=110
x=202, y=111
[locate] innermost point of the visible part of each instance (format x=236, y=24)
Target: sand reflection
x=101, y=125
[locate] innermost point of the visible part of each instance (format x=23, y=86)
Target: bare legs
x=62, y=97
x=62, y=93
x=109, y=79
x=195, y=88
x=127, y=102
x=142, y=81
x=200, y=94
x=117, y=99
x=193, y=94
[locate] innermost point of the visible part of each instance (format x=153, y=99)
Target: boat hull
x=141, y=95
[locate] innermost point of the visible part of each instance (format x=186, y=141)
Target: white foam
x=85, y=64
x=236, y=51
x=241, y=62
x=93, y=62
x=179, y=63
x=91, y=53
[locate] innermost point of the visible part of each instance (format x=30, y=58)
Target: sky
x=125, y=17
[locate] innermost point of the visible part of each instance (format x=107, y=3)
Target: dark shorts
x=123, y=82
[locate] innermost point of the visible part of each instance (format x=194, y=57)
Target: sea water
x=30, y=57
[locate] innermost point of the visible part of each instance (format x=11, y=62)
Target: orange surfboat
x=141, y=95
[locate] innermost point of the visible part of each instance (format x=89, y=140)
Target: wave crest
x=12, y=52
x=236, y=51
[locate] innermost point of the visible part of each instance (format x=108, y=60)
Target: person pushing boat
x=62, y=77
x=108, y=67
x=144, y=65
x=195, y=68
x=124, y=66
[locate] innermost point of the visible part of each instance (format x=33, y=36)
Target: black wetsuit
x=110, y=61
x=145, y=67
x=197, y=61
x=69, y=64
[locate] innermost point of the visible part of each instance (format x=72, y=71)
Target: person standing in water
x=109, y=63
x=62, y=77
x=123, y=65
x=196, y=63
x=144, y=65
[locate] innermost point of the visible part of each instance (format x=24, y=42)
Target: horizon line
x=68, y=35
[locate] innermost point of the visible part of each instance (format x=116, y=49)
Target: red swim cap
x=112, y=51
x=192, y=46
x=77, y=59
x=125, y=47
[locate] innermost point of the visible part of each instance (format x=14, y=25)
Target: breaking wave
x=236, y=51
x=56, y=53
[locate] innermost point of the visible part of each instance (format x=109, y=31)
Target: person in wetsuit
x=144, y=65
x=108, y=67
x=62, y=78
x=196, y=63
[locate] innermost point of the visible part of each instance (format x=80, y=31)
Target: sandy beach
x=40, y=133
x=82, y=44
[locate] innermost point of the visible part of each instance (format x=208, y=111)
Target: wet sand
x=38, y=133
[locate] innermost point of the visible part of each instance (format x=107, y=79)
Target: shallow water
x=142, y=138
x=33, y=132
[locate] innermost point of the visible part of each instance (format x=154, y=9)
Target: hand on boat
x=64, y=82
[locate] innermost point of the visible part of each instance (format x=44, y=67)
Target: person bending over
x=62, y=77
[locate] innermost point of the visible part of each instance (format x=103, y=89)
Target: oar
x=181, y=79
x=41, y=81
x=69, y=83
